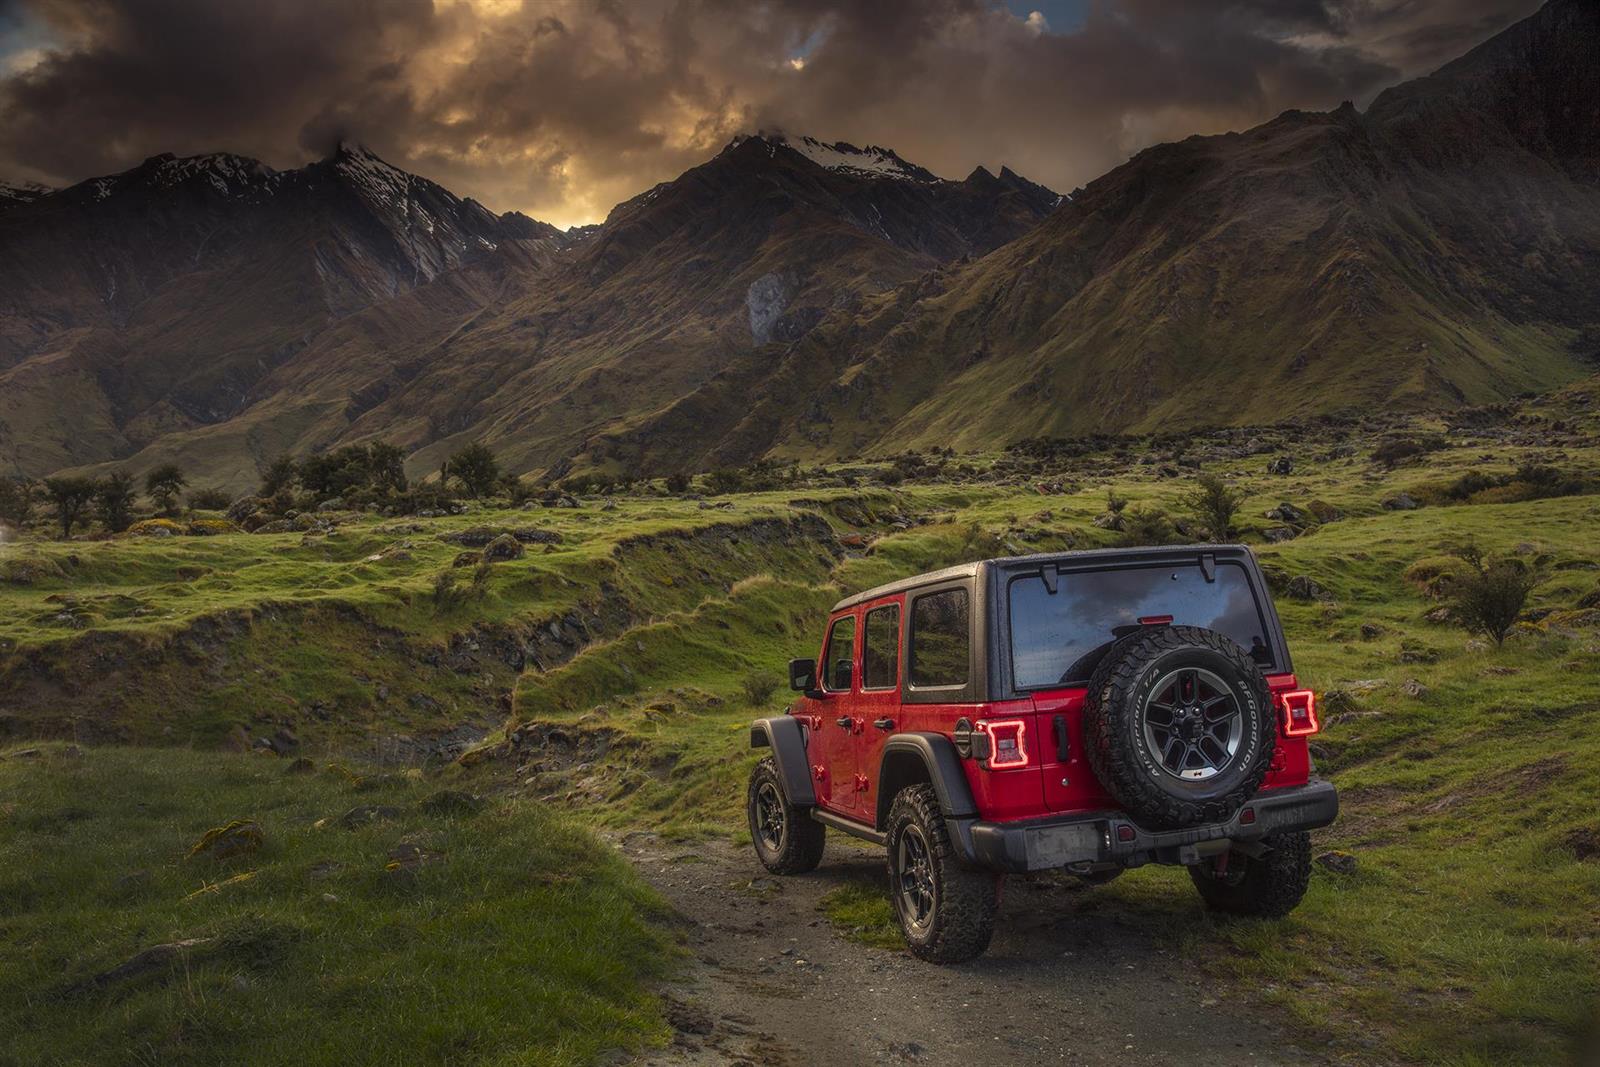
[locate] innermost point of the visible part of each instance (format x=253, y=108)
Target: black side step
x=849, y=826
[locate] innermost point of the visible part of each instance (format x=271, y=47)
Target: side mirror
x=803, y=675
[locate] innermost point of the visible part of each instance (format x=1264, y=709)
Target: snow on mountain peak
x=22, y=192
x=844, y=158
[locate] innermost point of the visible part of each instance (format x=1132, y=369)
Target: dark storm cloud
x=563, y=107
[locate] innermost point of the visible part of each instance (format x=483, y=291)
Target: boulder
x=1324, y=511
x=241, y=837
x=1280, y=465
x=1279, y=534
x=1108, y=520
x=451, y=802
x=1414, y=689
x=1301, y=587
x=1338, y=862
x=502, y=548
x=242, y=509
x=1400, y=502
x=366, y=814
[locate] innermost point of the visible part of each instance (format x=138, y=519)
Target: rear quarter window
x=1057, y=639
x=941, y=639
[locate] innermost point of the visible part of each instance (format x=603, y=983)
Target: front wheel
x=787, y=839
x=946, y=912
x=1266, y=886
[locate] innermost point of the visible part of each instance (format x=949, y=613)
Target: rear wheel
x=946, y=912
x=786, y=838
x=1267, y=886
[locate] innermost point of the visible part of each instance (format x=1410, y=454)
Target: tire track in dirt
x=772, y=982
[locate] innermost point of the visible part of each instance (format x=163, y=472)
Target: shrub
x=280, y=476
x=1214, y=502
x=725, y=480
x=113, y=498
x=476, y=468
x=71, y=498
x=163, y=484
x=16, y=500
x=1489, y=593
x=210, y=500
x=1147, y=526
x=759, y=686
x=1114, y=503
x=1392, y=452
x=678, y=483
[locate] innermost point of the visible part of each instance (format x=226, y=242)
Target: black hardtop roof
x=1078, y=558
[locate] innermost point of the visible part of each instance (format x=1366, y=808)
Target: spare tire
x=1178, y=725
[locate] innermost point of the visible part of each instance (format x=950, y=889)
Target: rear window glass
x=1056, y=639
x=939, y=639
x=880, y=648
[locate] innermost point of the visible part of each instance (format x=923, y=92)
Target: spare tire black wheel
x=1178, y=725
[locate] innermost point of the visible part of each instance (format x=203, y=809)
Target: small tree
x=163, y=485
x=1115, y=503
x=71, y=498
x=281, y=474
x=475, y=468
x=1146, y=526
x=1214, y=503
x=678, y=483
x=113, y=499
x=16, y=500
x=1491, y=592
x=386, y=465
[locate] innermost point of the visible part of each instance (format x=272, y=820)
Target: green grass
x=523, y=942
x=1469, y=934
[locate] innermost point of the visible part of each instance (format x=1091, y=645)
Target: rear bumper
x=1110, y=838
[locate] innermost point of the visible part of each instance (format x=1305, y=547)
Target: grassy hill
x=611, y=675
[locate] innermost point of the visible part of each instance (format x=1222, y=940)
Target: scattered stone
x=1278, y=534
x=367, y=814
x=1371, y=631
x=1585, y=842
x=152, y=959
x=409, y=856
x=1414, y=689
x=284, y=741
x=1324, y=511
x=451, y=802
x=242, y=509
x=852, y=540
x=1441, y=616
x=503, y=548
x=1301, y=587
x=1280, y=465
x=300, y=765
x=688, y=1018
x=240, y=837
x=1288, y=513
x=1338, y=862
x=1401, y=502
x=1108, y=520
x=1414, y=652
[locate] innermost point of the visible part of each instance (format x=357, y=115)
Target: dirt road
x=774, y=983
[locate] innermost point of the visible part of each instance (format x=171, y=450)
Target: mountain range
x=799, y=299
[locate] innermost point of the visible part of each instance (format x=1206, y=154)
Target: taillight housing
x=1299, y=713
x=1008, y=743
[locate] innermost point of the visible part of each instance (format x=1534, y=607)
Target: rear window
x=1058, y=639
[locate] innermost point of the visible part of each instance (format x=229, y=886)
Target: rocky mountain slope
x=154, y=301
x=1443, y=247
x=795, y=298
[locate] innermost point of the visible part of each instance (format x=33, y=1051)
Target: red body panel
x=844, y=760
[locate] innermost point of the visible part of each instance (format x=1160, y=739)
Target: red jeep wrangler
x=1090, y=711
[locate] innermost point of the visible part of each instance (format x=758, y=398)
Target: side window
x=880, y=648
x=840, y=656
x=940, y=635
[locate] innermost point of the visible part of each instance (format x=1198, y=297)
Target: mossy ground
x=519, y=940
x=1468, y=933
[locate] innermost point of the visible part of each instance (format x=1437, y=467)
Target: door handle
x=1063, y=745
x=883, y=724
x=845, y=721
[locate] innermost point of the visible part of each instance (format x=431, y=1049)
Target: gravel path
x=774, y=983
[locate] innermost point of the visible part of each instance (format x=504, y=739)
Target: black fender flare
x=785, y=735
x=931, y=757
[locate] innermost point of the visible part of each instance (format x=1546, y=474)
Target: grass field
x=617, y=672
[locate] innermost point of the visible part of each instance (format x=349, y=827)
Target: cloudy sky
x=562, y=108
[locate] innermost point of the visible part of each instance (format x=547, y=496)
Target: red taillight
x=1155, y=620
x=1007, y=743
x=1300, y=713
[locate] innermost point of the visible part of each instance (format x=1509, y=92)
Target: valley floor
x=601, y=686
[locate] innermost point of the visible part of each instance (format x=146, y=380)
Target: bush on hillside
x=16, y=500
x=1214, y=503
x=759, y=686
x=162, y=485
x=1489, y=593
x=209, y=500
x=475, y=468
x=1147, y=526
